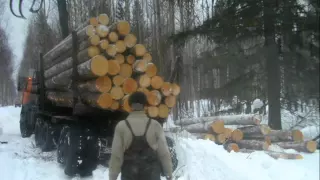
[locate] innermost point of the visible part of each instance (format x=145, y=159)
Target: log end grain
x=147, y=56
x=93, y=51
x=209, y=137
x=144, y=81
x=151, y=70
x=232, y=147
x=144, y=90
x=297, y=136
x=94, y=40
x=102, y=30
x=113, y=67
x=236, y=135
x=154, y=97
x=156, y=82
x=130, y=59
x=90, y=30
x=99, y=65
x=116, y=93
x=120, y=58
x=125, y=104
x=103, y=19
x=130, y=40
x=120, y=46
x=94, y=21
x=175, y=89
x=152, y=111
x=227, y=132
x=265, y=129
x=170, y=101
x=117, y=80
x=139, y=50
x=129, y=86
x=220, y=138
x=104, y=44
x=113, y=37
x=125, y=70
x=311, y=146
x=166, y=88
x=123, y=28
x=115, y=105
x=103, y=84
x=104, y=101
x=111, y=50
x=140, y=66
x=217, y=126
x=163, y=111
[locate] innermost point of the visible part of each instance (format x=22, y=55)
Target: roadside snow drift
x=198, y=160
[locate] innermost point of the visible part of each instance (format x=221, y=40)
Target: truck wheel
x=47, y=137
x=25, y=129
x=37, y=132
x=63, y=145
x=173, y=153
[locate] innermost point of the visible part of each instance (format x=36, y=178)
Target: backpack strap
x=129, y=126
x=147, y=127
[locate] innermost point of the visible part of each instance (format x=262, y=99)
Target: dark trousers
x=140, y=171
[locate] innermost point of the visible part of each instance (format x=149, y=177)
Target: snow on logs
x=112, y=64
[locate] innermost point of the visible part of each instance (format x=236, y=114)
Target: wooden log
x=151, y=70
x=113, y=67
x=253, y=144
x=248, y=119
x=147, y=56
x=138, y=50
x=125, y=70
x=104, y=44
x=130, y=59
x=103, y=100
x=144, y=81
x=163, y=111
x=203, y=127
x=209, y=137
x=166, y=89
x=93, y=21
x=279, y=136
x=220, y=139
x=229, y=146
x=228, y=132
x=236, y=135
x=120, y=58
x=170, y=101
x=217, y=126
x=65, y=46
x=152, y=111
x=276, y=155
x=103, y=19
x=250, y=131
x=118, y=80
x=121, y=27
x=154, y=98
x=115, y=105
x=129, y=86
x=95, y=67
x=61, y=99
x=111, y=50
x=102, y=30
x=125, y=104
x=82, y=56
x=113, y=37
x=94, y=40
x=307, y=146
x=120, y=46
x=130, y=40
x=175, y=89
x=140, y=66
x=116, y=93
x=101, y=84
x=144, y=90
x=156, y=82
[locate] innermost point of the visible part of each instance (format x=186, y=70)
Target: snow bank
x=198, y=160
x=310, y=132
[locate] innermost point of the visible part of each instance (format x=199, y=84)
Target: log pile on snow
x=249, y=136
x=111, y=66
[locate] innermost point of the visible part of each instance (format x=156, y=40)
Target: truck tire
x=47, y=136
x=82, y=153
x=37, y=132
x=25, y=129
x=173, y=153
x=63, y=145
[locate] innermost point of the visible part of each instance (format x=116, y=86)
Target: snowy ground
x=198, y=160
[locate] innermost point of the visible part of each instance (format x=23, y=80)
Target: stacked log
x=249, y=136
x=112, y=64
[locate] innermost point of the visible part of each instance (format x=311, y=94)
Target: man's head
x=137, y=101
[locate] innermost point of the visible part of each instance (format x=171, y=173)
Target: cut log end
x=144, y=81
x=104, y=101
x=311, y=146
x=217, y=126
x=166, y=89
x=94, y=40
x=170, y=101
x=120, y=46
x=90, y=30
x=140, y=66
x=123, y=28
x=102, y=30
x=118, y=80
x=139, y=50
x=125, y=104
x=129, y=86
x=220, y=138
x=115, y=105
x=147, y=56
x=93, y=21
x=119, y=58
x=209, y=137
x=297, y=135
x=265, y=129
x=236, y=135
x=151, y=70
x=156, y=82
x=111, y=50
x=130, y=59
x=175, y=89
x=103, y=19
x=163, y=111
x=114, y=67
x=227, y=132
x=104, y=44
x=153, y=111
x=103, y=84
x=125, y=70
x=233, y=147
x=99, y=65
x=116, y=93
x=130, y=40
x=154, y=98
x=113, y=37
x=144, y=90
x=93, y=51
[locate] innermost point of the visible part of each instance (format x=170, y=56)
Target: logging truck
x=80, y=90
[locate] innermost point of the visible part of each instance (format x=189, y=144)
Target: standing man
x=139, y=147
